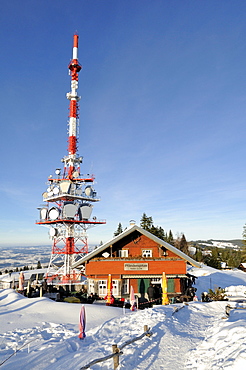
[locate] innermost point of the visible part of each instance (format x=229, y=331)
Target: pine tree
x=198, y=255
x=119, y=230
x=159, y=232
x=39, y=266
x=169, y=238
x=183, y=245
x=243, y=249
x=146, y=222
x=214, y=259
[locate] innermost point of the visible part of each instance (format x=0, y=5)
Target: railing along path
x=117, y=351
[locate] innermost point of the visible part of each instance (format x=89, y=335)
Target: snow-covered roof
x=14, y=276
x=128, y=231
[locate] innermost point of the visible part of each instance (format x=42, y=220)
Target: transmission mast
x=69, y=197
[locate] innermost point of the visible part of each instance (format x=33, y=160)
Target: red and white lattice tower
x=69, y=198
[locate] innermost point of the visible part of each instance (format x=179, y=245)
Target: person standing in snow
x=157, y=293
x=151, y=292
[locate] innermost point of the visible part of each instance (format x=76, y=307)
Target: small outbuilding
x=242, y=266
x=136, y=258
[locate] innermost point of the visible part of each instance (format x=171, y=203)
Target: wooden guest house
x=136, y=258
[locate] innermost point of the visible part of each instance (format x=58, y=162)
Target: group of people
x=191, y=292
x=85, y=297
x=154, y=293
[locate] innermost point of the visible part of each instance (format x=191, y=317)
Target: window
x=147, y=253
x=123, y=253
x=115, y=285
x=102, y=287
x=125, y=286
x=165, y=251
x=91, y=286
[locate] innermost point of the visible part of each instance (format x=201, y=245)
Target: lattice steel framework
x=69, y=197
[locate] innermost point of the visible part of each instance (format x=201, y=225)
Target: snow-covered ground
x=185, y=336
x=220, y=244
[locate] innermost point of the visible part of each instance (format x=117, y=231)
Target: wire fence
x=117, y=351
x=228, y=309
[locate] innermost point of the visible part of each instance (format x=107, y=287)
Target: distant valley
x=13, y=257
x=234, y=244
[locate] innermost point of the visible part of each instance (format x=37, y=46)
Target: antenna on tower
x=69, y=197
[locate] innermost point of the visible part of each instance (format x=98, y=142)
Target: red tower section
x=69, y=197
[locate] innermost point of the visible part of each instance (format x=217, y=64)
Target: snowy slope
x=210, y=278
x=198, y=336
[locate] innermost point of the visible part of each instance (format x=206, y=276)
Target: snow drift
x=185, y=336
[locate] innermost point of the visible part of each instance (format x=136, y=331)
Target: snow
x=193, y=336
x=220, y=244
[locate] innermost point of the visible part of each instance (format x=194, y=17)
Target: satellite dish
x=105, y=254
x=64, y=185
x=49, y=189
x=54, y=213
x=56, y=190
x=75, y=174
x=43, y=213
x=58, y=171
x=85, y=211
x=69, y=210
x=89, y=191
x=53, y=232
x=45, y=195
x=49, y=194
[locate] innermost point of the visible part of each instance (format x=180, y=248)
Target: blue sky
x=162, y=115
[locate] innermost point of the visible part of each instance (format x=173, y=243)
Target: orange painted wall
x=134, y=284
x=105, y=267
x=177, y=285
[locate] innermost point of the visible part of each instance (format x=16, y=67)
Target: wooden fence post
x=146, y=328
x=227, y=310
x=115, y=358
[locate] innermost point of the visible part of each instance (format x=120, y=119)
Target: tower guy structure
x=69, y=197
